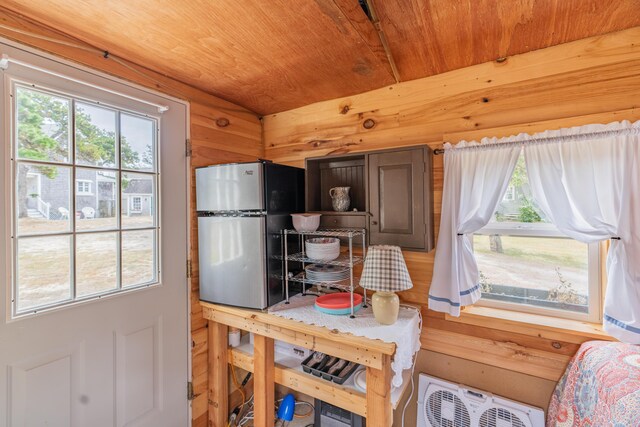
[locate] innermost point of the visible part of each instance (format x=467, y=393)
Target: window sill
x=553, y=328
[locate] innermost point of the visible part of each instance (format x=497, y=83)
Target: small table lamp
x=385, y=272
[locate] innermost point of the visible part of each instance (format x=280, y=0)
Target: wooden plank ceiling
x=272, y=56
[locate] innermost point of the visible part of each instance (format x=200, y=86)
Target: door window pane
x=43, y=198
x=137, y=142
x=42, y=128
x=138, y=200
x=95, y=129
x=44, y=271
x=138, y=257
x=96, y=263
x=96, y=207
x=70, y=202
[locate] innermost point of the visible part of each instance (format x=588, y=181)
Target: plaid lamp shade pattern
x=385, y=270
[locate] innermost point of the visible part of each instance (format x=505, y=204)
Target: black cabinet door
x=397, y=199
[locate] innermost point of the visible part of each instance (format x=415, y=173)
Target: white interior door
x=102, y=357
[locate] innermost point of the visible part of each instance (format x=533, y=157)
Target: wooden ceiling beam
x=383, y=39
x=369, y=30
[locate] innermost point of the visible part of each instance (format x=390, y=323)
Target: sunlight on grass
x=44, y=265
x=533, y=263
x=560, y=252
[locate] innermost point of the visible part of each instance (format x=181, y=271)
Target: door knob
x=374, y=222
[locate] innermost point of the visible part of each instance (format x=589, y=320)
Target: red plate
x=338, y=300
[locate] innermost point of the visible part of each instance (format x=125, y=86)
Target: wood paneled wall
x=593, y=80
x=211, y=141
x=208, y=147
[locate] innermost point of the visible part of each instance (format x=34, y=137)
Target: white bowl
x=306, y=221
x=323, y=248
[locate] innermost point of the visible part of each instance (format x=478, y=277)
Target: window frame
x=83, y=193
x=594, y=269
x=122, y=106
x=133, y=203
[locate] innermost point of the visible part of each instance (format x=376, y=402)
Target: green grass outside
x=558, y=251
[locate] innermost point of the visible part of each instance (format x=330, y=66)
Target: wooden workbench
x=376, y=355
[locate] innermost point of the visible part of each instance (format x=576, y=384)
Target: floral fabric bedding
x=601, y=387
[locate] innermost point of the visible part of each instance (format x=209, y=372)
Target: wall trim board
x=579, y=93
x=507, y=355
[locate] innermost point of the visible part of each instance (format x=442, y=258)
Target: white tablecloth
x=405, y=333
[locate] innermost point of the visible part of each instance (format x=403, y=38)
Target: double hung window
x=527, y=265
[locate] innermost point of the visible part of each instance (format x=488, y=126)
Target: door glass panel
x=96, y=263
x=43, y=199
x=42, y=128
x=138, y=200
x=81, y=173
x=95, y=129
x=44, y=271
x=137, y=141
x=138, y=257
x=96, y=198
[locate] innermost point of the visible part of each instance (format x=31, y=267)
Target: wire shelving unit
x=347, y=259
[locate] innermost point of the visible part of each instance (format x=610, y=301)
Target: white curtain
x=475, y=180
x=587, y=182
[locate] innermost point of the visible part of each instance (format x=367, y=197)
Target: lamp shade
x=385, y=270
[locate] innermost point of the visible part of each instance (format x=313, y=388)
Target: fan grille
x=445, y=409
x=498, y=417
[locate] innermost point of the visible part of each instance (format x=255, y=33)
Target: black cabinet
x=391, y=191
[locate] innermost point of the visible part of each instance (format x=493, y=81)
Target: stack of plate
x=327, y=273
x=323, y=248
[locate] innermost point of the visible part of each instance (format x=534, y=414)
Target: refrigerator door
x=234, y=187
x=232, y=261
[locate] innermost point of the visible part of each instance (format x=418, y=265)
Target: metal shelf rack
x=348, y=260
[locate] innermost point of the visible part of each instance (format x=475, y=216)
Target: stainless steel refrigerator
x=242, y=209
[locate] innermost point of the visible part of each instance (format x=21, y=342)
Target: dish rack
x=348, y=260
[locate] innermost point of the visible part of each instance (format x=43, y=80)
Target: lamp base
x=385, y=307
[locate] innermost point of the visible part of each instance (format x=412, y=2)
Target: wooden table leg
x=379, y=410
x=218, y=374
x=263, y=380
